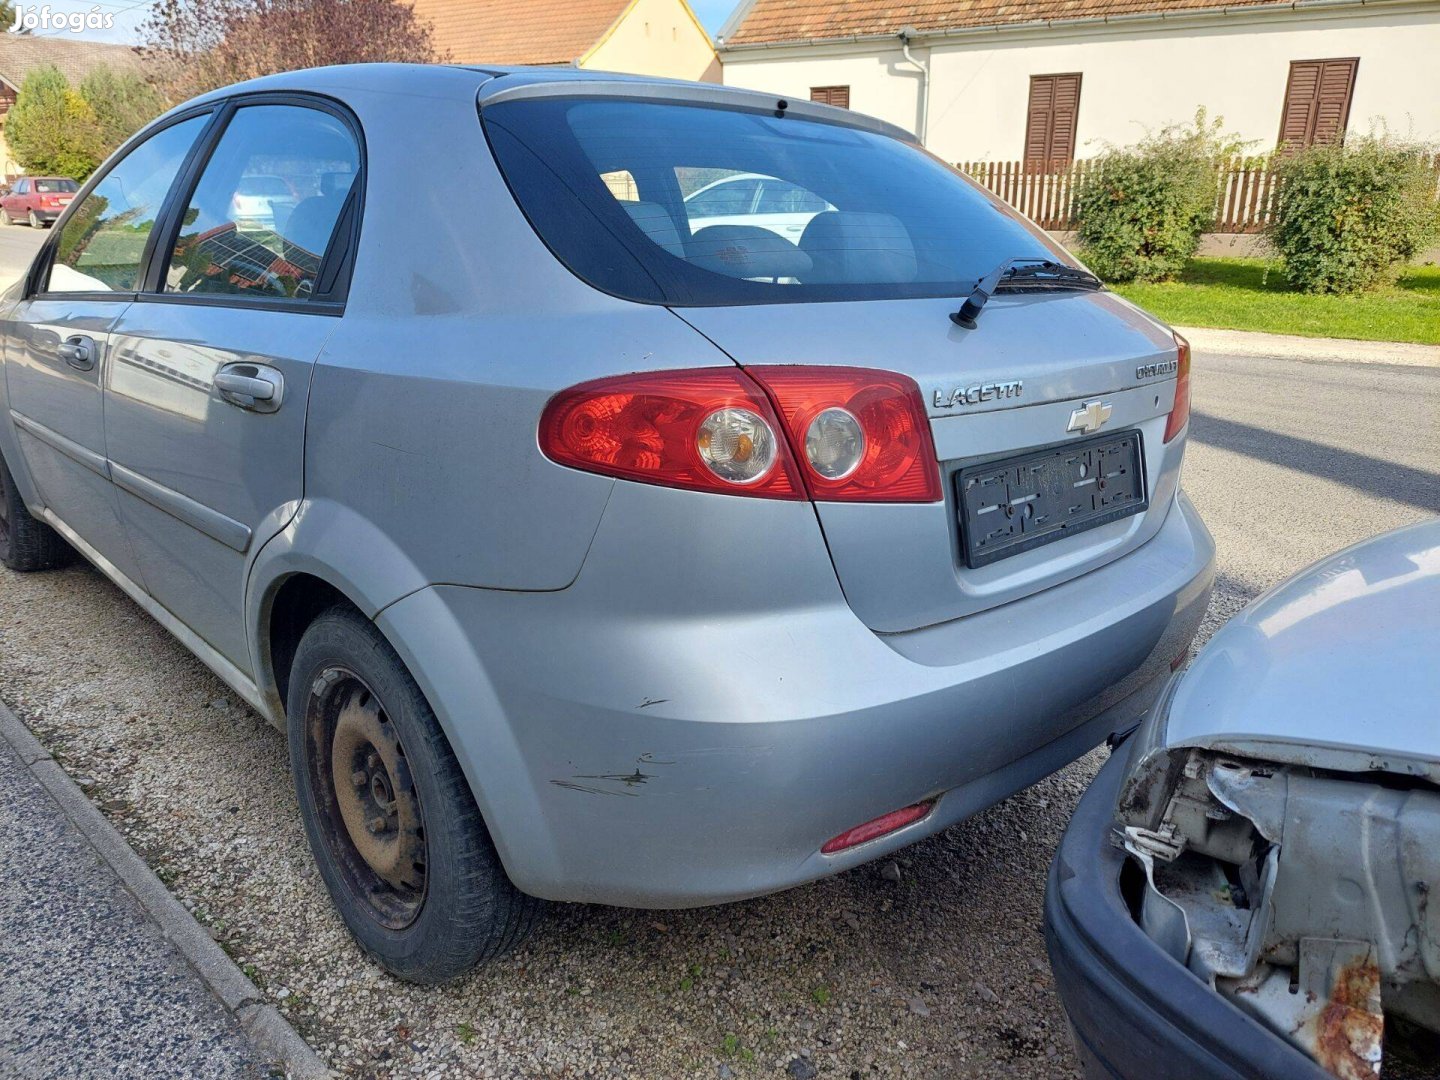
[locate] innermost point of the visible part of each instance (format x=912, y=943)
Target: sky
x=127, y=16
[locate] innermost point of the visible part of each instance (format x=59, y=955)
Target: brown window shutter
x=1051, y=118
x=1317, y=101
x=831, y=95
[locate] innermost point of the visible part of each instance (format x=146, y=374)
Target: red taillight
x=871, y=830
x=859, y=435
x=1180, y=411
x=707, y=429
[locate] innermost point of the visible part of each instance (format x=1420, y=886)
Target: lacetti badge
x=980, y=392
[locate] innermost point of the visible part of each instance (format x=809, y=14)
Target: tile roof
x=518, y=31
x=769, y=21
x=21, y=54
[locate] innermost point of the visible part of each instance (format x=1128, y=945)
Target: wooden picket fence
x=1045, y=191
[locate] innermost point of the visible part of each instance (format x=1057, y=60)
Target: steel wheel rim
x=368, y=808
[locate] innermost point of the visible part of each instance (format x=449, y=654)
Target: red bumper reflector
x=885, y=823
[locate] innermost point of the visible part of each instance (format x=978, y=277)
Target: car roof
x=494, y=84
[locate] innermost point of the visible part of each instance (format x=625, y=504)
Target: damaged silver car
x=1246, y=889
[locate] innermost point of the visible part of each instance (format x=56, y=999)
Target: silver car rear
x=619, y=558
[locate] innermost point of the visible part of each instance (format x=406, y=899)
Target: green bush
x=1142, y=208
x=1347, y=218
x=51, y=129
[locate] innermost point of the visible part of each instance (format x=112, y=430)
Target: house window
x=1317, y=101
x=831, y=95
x=1051, y=116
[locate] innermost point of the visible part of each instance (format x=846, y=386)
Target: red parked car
x=37, y=200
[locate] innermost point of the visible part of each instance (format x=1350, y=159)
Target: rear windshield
x=696, y=205
x=53, y=186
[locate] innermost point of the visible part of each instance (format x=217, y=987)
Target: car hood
x=1336, y=668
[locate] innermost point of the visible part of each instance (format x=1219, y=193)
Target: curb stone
x=1322, y=350
x=270, y=1032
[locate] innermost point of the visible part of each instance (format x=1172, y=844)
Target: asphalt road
x=18, y=244
x=1290, y=460
x=939, y=974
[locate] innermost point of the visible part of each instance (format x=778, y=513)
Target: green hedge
x=1140, y=214
x=1347, y=218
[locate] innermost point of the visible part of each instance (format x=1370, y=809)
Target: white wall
x=880, y=81
x=1135, y=75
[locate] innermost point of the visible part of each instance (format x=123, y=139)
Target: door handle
x=254, y=387
x=78, y=352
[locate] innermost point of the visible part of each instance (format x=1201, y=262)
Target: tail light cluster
x=1180, y=411
x=831, y=433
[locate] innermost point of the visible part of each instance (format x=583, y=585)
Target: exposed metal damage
x=1301, y=894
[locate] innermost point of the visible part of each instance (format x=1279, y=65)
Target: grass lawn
x=1236, y=294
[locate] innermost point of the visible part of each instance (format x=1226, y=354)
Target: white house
x=1006, y=80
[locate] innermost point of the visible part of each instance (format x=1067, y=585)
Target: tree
x=51, y=129
x=199, y=45
x=122, y=101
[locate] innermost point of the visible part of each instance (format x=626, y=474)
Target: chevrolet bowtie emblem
x=1089, y=417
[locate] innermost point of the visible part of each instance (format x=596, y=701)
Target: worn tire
x=26, y=543
x=468, y=911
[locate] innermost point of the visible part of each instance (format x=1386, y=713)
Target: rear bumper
x=626, y=750
x=1136, y=1013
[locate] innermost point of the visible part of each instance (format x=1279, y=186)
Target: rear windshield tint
x=53, y=186
x=696, y=205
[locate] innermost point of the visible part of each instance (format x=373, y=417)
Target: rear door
x=205, y=405
x=58, y=339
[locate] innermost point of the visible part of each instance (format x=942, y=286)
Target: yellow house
x=640, y=37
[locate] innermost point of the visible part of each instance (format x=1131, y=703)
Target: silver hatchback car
x=587, y=553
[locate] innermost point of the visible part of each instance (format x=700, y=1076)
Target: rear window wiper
x=1023, y=272
x=1048, y=275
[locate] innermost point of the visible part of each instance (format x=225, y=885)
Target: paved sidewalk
x=1323, y=350
x=91, y=985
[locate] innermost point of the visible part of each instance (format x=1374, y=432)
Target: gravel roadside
x=934, y=967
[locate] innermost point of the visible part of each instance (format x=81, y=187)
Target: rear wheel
x=25, y=542
x=35, y=222
x=389, y=815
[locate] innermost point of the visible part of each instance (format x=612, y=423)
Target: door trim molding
x=96, y=463
x=233, y=534
x=233, y=677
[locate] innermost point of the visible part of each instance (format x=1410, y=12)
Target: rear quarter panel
x=422, y=464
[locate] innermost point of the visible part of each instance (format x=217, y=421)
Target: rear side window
x=103, y=241
x=266, y=205
x=729, y=206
